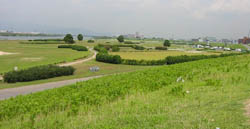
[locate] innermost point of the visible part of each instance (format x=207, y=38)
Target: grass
x=28, y=55
x=155, y=55
x=217, y=89
x=82, y=70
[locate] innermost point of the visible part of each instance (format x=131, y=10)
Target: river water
x=35, y=37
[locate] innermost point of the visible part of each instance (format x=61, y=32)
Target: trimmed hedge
x=143, y=62
x=161, y=48
x=74, y=47
x=91, y=41
x=38, y=73
x=130, y=42
x=105, y=57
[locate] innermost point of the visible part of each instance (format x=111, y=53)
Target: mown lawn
x=210, y=94
x=28, y=55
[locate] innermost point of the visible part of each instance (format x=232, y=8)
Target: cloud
x=202, y=9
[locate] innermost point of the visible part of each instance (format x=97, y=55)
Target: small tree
x=120, y=39
x=167, y=43
x=69, y=39
x=80, y=37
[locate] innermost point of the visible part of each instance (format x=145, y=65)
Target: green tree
x=69, y=39
x=80, y=37
x=120, y=39
x=167, y=43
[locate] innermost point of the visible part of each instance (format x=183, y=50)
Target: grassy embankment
x=212, y=94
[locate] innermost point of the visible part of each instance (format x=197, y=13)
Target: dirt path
x=247, y=108
x=80, y=61
x=12, y=92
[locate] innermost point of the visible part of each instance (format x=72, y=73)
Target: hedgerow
x=37, y=73
x=161, y=48
x=74, y=47
x=105, y=57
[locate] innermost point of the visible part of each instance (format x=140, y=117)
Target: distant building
x=195, y=40
x=245, y=40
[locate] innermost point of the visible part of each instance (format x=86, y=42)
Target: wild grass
x=156, y=55
x=210, y=94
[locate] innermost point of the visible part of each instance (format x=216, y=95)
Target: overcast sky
x=165, y=18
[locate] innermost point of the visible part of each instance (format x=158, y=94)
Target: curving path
x=12, y=92
x=81, y=60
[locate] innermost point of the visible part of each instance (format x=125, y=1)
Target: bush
x=105, y=57
x=79, y=48
x=38, y=73
x=74, y=47
x=91, y=41
x=161, y=48
x=130, y=42
x=65, y=46
x=115, y=49
x=138, y=47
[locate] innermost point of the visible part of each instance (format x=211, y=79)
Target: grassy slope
x=147, y=99
x=82, y=70
x=29, y=55
x=155, y=55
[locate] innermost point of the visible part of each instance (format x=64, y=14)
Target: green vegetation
x=29, y=55
x=69, y=39
x=74, y=47
x=105, y=57
x=167, y=43
x=82, y=70
x=164, y=97
x=91, y=41
x=38, y=73
x=115, y=49
x=155, y=55
x=120, y=38
x=80, y=37
x=161, y=48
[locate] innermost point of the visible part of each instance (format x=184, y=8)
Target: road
x=12, y=92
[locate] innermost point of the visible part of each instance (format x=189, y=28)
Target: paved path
x=12, y=92
x=247, y=46
x=80, y=61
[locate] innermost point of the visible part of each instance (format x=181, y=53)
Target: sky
x=161, y=18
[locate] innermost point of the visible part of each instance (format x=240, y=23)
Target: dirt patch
x=32, y=59
x=194, y=51
x=247, y=108
x=5, y=53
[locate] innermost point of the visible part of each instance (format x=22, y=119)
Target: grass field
x=150, y=98
x=28, y=55
x=155, y=55
x=82, y=70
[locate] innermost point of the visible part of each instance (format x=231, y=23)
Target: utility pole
x=249, y=34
